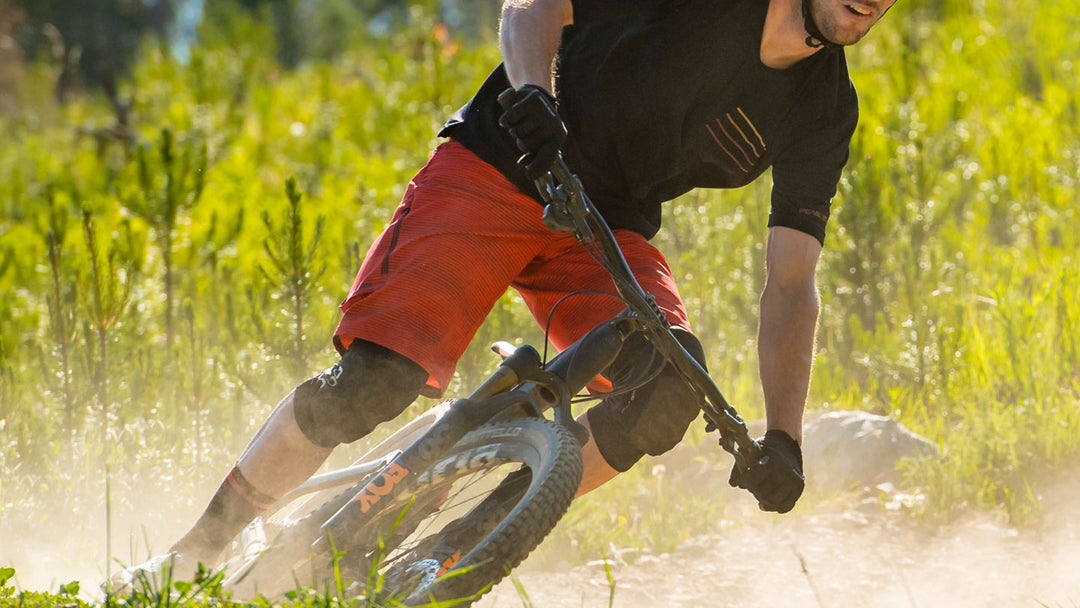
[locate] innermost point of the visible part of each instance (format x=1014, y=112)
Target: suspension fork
x=538, y=388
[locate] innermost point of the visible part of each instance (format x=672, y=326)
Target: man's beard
x=829, y=27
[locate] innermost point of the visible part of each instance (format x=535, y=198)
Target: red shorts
x=463, y=234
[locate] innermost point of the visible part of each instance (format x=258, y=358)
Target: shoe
x=181, y=564
x=152, y=574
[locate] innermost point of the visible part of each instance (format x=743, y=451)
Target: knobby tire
x=441, y=542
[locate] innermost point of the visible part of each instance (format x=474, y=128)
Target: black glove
x=776, y=479
x=534, y=123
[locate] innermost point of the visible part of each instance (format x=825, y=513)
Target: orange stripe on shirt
x=724, y=148
x=752, y=127
x=743, y=135
x=734, y=142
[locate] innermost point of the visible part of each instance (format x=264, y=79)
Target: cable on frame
x=658, y=369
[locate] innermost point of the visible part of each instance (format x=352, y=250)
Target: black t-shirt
x=663, y=96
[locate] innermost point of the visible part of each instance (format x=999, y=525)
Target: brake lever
x=733, y=437
x=566, y=210
x=557, y=215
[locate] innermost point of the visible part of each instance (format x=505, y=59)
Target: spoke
x=458, y=500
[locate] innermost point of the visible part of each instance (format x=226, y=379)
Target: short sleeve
x=806, y=173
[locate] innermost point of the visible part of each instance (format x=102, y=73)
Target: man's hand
x=776, y=479
x=534, y=123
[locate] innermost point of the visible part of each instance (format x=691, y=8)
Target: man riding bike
x=647, y=100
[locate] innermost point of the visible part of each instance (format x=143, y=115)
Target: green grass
x=158, y=297
x=203, y=591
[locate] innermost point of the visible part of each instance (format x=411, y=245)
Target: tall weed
x=146, y=323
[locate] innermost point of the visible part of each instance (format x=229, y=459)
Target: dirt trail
x=819, y=556
x=846, y=552
x=839, y=556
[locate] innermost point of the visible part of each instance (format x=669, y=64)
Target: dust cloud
x=848, y=551
x=844, y=550
x=68, y=541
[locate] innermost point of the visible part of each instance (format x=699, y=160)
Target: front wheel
x=477, y=513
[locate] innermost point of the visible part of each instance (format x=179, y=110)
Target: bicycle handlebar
x=569, y=209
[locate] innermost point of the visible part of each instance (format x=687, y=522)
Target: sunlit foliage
x=163, y=285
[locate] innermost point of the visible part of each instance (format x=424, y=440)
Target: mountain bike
x=444, y=508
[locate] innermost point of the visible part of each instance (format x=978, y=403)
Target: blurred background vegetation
x=187, y=188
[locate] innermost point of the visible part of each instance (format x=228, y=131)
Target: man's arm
x=529, y=36
x=789, y=312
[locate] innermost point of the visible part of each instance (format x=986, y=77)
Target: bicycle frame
x=524, y=386
x=521, y=386
x=569, y=209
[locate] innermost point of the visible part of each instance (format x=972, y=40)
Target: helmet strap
x=815, y=39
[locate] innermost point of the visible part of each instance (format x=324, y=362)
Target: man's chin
x=846, y=38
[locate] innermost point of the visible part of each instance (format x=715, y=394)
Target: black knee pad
x=651, y=419
x=368, y=386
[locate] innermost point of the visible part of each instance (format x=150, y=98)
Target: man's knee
x=651, y=419
x=368, y=386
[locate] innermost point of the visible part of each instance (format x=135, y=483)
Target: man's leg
x=370, y=385
x=649, y=421
x=281, y=457
x=654, y=417
x=597, y=471
x=278, y=458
